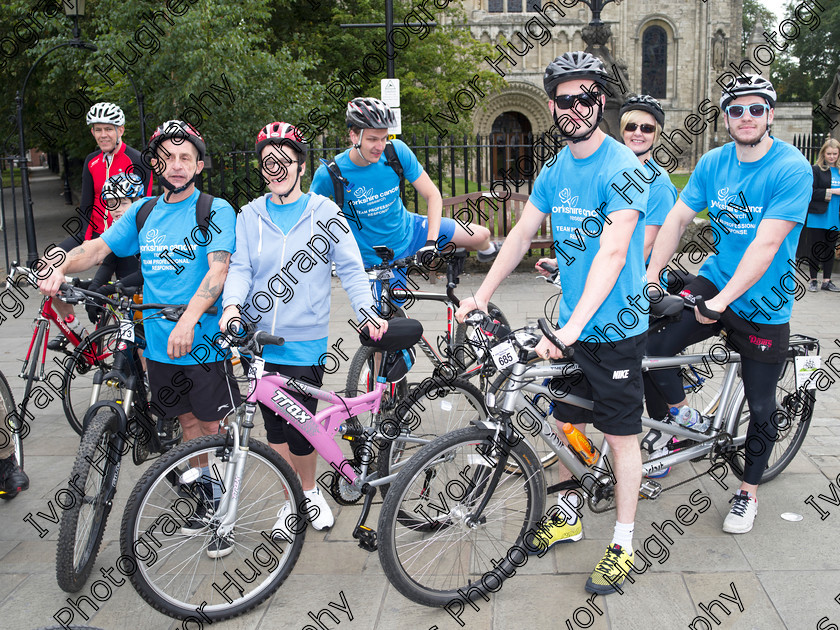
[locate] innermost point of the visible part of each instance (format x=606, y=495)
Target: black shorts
x=176, y=389
x=765, y=343
x=612, y=379
x=277, y=429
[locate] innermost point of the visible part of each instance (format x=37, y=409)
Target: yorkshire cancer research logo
x=362, y=192
x=724, y=198
x=154, y=238
x=566, y=198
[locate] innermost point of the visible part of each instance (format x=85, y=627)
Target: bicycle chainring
x=343, y=492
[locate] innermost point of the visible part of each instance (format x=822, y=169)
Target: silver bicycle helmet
x=747, y=85
x=573, y=65
x=644, y=103
x=106, y=113
x=369, y=113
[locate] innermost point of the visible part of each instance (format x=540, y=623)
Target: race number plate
x=126, y=330
x=503, y=355
x=806, y=367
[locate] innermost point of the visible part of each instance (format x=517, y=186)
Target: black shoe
x=828, y=285
x=12, y=478
x=220, y=547
x=58, y=344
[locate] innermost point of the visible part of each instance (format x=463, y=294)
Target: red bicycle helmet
x=281, y=133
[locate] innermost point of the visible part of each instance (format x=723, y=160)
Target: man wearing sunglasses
x=597, y=217
x=757, y=189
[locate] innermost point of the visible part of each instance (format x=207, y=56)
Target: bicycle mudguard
x=91, y=412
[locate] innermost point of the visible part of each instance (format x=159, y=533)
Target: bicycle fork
x=234, y=471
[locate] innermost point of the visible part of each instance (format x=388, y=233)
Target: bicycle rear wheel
x=82, y=526
x=95, y=353
x=10, y=433
x=794, y=409
x=455, y=547
x=173, y=571
x=361, y=377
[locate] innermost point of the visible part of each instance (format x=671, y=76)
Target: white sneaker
x=280, y=531
x=322, y=518
x=741, y=515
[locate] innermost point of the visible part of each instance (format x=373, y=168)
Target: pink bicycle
x=236, y=485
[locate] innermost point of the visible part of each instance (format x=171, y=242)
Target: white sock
x=489, y=250
x=623, y=535
x=567, y=501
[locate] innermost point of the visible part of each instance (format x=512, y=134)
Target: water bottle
x=75, y=325
x=690, y=418
x=581, y=444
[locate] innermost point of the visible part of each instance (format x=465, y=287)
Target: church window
x=654, y=61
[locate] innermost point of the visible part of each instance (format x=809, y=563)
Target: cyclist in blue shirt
x=598, y=225
x=375, y=210
x=189, y=376
x=757, y=190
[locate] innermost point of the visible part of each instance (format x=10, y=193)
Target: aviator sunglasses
x=756, y=110
x=645, y=128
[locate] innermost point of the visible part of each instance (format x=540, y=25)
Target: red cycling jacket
x=95, y=173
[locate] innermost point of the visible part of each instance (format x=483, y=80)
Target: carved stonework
x=518, y=96
x=719, y=51
x=596, y=35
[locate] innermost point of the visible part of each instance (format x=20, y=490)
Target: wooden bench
x=498, y=215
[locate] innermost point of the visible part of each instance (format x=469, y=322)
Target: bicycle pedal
x=650, y=489
x=366, y=537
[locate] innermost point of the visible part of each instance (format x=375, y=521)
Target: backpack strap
x=144, y=211
x=340, y=183
x=202, y=212
x=392, y=159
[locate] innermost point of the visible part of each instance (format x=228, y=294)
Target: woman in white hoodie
x=279, y=280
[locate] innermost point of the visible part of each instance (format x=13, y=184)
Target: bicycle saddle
x=668, y=306
x=402, y=333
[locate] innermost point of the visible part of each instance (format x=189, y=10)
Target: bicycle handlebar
x=172, y=312
x=700, y=303
x=546, y=330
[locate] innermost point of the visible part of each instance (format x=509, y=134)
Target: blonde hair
x=635, y=116
x=830, y=143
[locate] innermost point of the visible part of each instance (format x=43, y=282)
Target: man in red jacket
x=107, y=125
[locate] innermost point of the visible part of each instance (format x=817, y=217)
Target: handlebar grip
x=700, y=303
x=212, y=310
x=549, y=334
x=548, y=267
x=263, y=338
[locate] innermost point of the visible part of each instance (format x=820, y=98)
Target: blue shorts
x=417, y=241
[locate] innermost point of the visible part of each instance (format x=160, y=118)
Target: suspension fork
x=235, y=469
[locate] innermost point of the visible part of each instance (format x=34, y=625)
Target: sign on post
x=390, y=89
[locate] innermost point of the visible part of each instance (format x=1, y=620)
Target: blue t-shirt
x=375, y=199
x=739, y=196
x=286, y=215
x=173, y=259
x=663, y=194
x=830, y=219
x=579, y=194
x=296, y=352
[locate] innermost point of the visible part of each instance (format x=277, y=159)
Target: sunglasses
x=567, y=101
x=645, y=128
x=756, y=110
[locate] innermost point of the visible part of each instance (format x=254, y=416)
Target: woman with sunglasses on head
x=820, y=232
x=285, y=242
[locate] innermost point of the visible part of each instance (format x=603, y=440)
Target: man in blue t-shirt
x=757, y=189
x=597, y=207
x=373, y=205
x=181, y=264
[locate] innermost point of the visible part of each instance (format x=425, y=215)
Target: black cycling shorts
x=612, y=379
x=208, y=394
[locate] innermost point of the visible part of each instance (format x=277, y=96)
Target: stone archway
x=520, y=97
x=510, y=139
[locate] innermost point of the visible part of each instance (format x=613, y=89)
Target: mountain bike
x=112, y=428
x=453, y=352
x=474, y=495
x=78, y=364
x=238, y=483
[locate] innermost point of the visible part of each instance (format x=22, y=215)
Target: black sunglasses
x=644, y=128
x=567, y=101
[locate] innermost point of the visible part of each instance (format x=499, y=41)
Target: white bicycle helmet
x=747, y=85
x=106, y=113
x=122, y=186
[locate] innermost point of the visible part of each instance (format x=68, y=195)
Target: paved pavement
x=781, y=575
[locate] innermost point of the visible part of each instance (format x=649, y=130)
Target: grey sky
x=777, y=7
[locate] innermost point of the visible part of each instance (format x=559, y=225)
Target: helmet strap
x=292, y=189
x=574, y=139
x=171, y=188
x=358, y=148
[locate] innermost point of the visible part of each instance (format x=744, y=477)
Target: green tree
x=752, y=11
x=432, y=64
x=805, y=72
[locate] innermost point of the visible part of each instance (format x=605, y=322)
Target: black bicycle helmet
x=644, y=103
x=369, y=113
x=573, y=65
x=747, y=85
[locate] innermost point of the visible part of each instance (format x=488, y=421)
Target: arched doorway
x=510, y=139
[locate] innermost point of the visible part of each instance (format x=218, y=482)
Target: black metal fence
x=809, y=144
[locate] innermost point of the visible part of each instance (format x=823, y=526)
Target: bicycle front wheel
x=12, y=429
x=470, y=335
x=93, y=354
x=92, y=486
x=174, y=572
x=794, y=408
x=469, y=522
